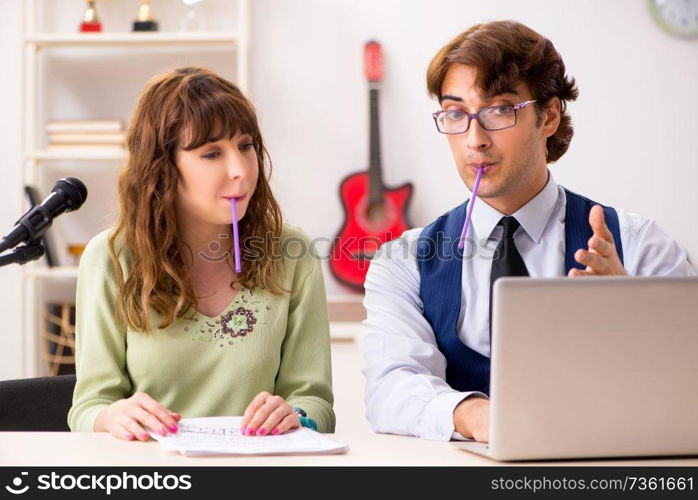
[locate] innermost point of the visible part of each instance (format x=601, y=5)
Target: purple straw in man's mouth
x=464, y=233
x=236, y=235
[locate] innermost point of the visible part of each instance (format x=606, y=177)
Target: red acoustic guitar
x=373, y=214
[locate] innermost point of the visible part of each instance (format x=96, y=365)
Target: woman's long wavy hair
x=199, y=105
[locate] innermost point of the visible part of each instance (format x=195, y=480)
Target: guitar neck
x=375, y=172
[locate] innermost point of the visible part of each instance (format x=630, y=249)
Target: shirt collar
x=533, y=216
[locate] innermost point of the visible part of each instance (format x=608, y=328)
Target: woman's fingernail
x=242, y=429
x=173, y=428
x=261, y=432
x=249, y=431
x=129, y=436
x=143, y=435
x=162, y=431
x=275, y=431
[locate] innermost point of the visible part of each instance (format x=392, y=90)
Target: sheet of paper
x=221, y=435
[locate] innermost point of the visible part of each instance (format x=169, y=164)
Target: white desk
x=101, y=449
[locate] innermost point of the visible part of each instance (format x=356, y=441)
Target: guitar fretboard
x=374, y=161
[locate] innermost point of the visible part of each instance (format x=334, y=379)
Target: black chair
x=36, y=404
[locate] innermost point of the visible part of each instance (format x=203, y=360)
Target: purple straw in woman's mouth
x=236, y=235
x=464, y=233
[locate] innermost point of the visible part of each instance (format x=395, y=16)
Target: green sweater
x=206, y=366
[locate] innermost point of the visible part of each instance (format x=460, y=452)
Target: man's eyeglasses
x=457, y=121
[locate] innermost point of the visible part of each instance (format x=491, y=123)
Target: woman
x=165, y=325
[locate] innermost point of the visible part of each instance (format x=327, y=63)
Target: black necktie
x=507, y=260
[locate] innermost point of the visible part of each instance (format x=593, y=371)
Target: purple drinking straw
x=463, y=235
x=236, y=237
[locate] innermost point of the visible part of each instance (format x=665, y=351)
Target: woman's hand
x=129, y=418
x=268, y=414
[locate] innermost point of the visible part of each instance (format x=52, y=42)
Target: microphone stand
x=26, y=253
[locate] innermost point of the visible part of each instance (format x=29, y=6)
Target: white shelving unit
x=59, y=272
x=42, y=155
x=36, y=275
x=130, y=39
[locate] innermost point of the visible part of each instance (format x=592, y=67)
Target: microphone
x=67, y=195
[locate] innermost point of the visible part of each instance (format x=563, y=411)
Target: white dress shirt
x=406, y=389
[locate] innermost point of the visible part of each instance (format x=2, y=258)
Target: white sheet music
x=221, y=435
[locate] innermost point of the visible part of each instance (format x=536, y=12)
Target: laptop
x=593, y=367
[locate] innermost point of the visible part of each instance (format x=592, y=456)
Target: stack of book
x=86, y=135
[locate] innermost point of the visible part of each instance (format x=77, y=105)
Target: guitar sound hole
x=376, y=213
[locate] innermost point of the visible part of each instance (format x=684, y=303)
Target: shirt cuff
x=437, y=419
x=86, y=421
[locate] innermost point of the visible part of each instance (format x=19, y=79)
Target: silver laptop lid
x=594, y=367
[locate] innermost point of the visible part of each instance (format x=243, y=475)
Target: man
x=503, y=92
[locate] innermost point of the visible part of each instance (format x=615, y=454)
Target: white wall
x=308, y=86
x=10, y=192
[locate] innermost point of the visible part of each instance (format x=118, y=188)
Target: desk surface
x=101, y=449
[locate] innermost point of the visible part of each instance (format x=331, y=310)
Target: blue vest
x=440, y=264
